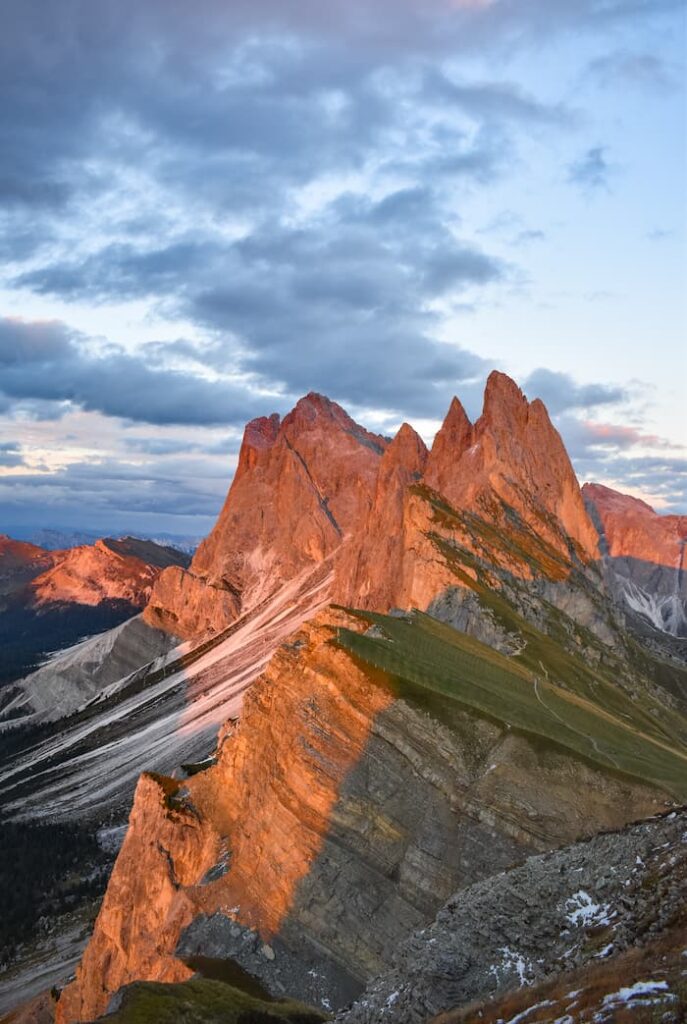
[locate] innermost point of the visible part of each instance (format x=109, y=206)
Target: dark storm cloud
x=343, y=309
x=340, y=305
x=49, y=363
x=559, y=391
x=193, y=487
x=591, y=170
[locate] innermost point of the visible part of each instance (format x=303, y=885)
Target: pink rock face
x=370, y=567
x=514, y=453
x=92, y=574
x=633, y=529
x=317, y=485
x=21, y=562
x=301, y=487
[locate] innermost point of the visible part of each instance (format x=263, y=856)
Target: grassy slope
x=563, y=685
x=200, y=1001
x=428, y=655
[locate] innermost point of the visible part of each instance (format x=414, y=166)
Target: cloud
x=560, y=392
x=11, y=455
x=643, y=70
x=591, y=170
x=662, y=479
x=258, y=173
x=495, y=101
x=616, y=436
x=160, y=494
x=49, y=363
x=342, y=304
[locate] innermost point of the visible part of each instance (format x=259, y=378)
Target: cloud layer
x=288, y=193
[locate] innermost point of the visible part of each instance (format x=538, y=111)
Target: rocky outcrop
x=52, y=599
x=302, y=485
x=109, y=570
x=645, y=553
x=370, y=568
x=336, y=819
x=514, y=453
x=555, y=913
x=632, y=529
x=20, y=563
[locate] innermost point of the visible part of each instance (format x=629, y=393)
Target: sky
x=208, y=210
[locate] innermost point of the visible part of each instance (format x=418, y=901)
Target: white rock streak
x=175, y=719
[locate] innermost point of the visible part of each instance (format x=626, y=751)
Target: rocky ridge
x=550, y=917
x=49, y=599
x=645, y=555
x=302, y=485
x=378, y=756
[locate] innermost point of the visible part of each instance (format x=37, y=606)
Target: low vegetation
x=202, y=1001
x=428, y=662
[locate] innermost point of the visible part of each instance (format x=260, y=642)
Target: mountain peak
x=504, y=402
x=407, y=445
x=599, y=494
x=453, y=438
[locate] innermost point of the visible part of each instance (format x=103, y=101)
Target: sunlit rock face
x=317, y=483
x=21, y=562
x=51, y=599
x=302, y=485
x=109, y=570
x=646, y=554
x=336, y=820
x=352, y=800
x=370, y=567
x=514, y=453
x=509, y=469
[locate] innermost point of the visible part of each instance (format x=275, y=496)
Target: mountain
x=646, y=555
x=301, y=486
x=391, y=674
x=588, y=933
x=51, y=598
x=60, y=539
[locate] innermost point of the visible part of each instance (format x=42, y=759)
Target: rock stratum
x=424, y=667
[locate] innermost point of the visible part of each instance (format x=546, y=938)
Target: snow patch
x=640, y=990
x=513, y=962
x=584, y=912
x=530, y=1009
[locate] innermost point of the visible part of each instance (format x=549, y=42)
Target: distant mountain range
x=59, y=539
x=50, y=598
x=389, y=684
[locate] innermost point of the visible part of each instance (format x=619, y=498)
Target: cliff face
x=512, y=452
x=646, y=554
x=615, y=905
x=300, y=488
x=509, y=470
x=383, y=762
x=337, y=818
x=317, y=483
